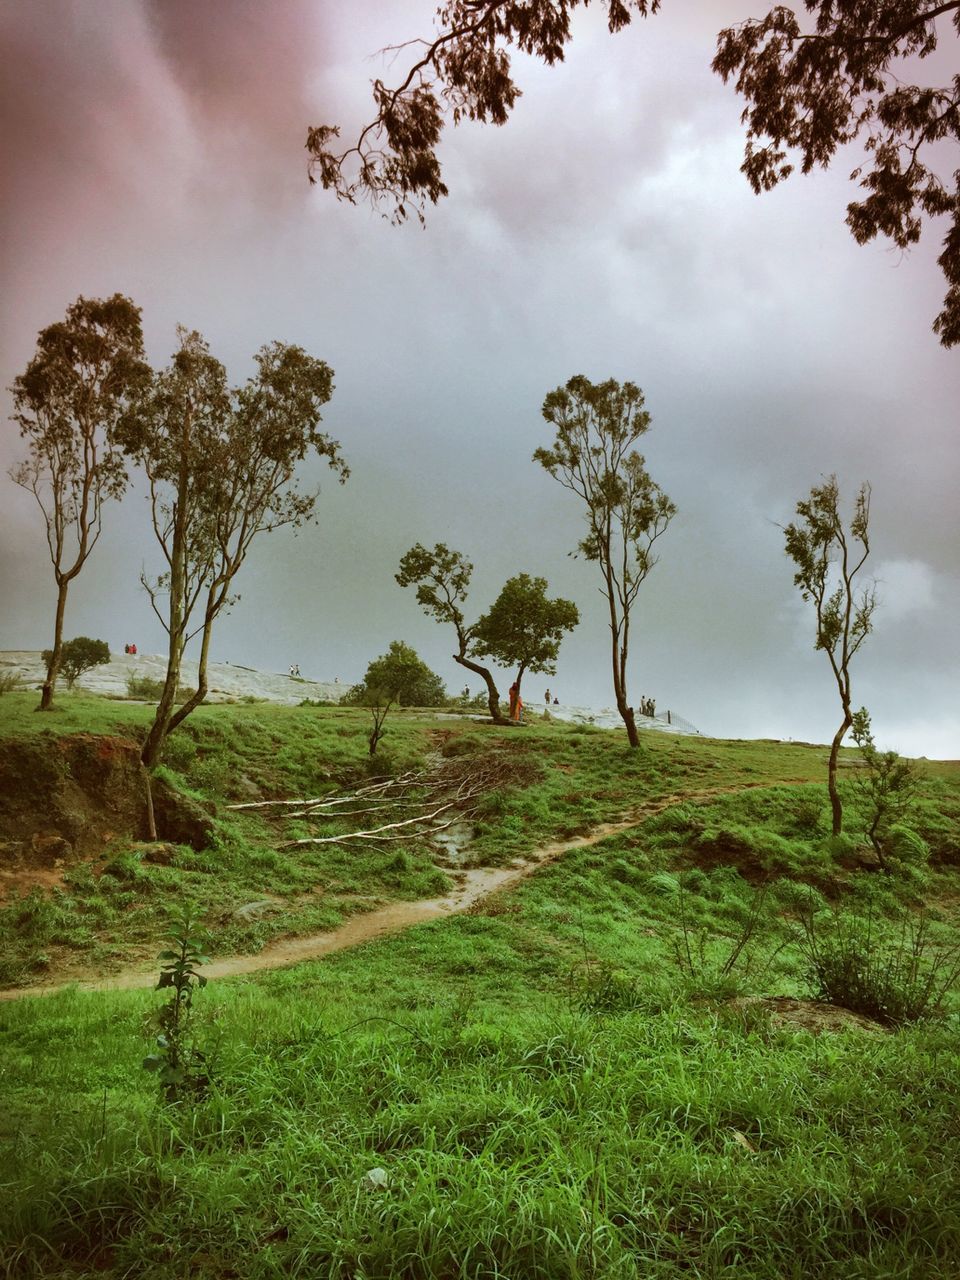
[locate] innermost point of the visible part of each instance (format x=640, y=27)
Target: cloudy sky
x=155, y=148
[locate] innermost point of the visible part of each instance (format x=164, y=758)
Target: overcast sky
x=155, y=148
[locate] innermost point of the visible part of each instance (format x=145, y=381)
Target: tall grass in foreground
x=546, y=1145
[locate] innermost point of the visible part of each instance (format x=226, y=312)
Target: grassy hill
x=611, y=1068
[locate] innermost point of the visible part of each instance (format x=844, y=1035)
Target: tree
x=815, y=91
x=220, y=465
x=442, y=577
x=888, y=786
x=397, y=678
x=523, y=628
x=828, y=561
x=592, y=455
x=77, y=656
x=69, y=403
x=465, y=73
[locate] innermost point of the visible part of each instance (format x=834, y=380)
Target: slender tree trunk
x=200, y=692
x=835, y=802
x=50, y=680
x=493, y=697
x=619, y=657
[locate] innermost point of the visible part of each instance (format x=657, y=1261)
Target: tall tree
x=816, y=90
x=828, y=559
x=523, y=628
x=813, y=90
x=69, y=403
x=442, y=578
x=220, y=466
x=593, y=456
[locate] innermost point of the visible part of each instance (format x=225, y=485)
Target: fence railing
x=676, y=721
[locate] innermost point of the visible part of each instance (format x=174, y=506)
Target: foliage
x=70, y=403
x=717, y=968
x=816, y=91
x=9, y=680
x=888, y=786
x=398, y=676
x=827, y=564
x=442, y=577
x=221, y=467
x=465, y=72
x=597, y=425
x=77, y=656
x=180, y=1065
x=895, y=980
x=523, y=628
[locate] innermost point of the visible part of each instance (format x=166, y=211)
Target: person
x=133, y=649
x=126, y=648
x=546, y=697
x=556, y=701
x=513, y=701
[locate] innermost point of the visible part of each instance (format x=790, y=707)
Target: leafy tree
x=523, y=628
x=593, y=456
x=220, y=464
x=397, y=678
x=828, y=561
x=69, y=403
x=442, y=577
x=888, y=786
x=814, y=91
x=77, y=656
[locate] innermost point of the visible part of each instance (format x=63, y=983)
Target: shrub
x=144, y=687
x=78, y=655
x=180, y=1065
x=895, y=981
x=9, y=680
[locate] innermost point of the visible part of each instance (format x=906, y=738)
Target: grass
x=543, y=1088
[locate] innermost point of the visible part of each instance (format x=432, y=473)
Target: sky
x=156, y=148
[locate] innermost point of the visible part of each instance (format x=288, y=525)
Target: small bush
x=9, y=680
x=144, y=688
x=895, y=981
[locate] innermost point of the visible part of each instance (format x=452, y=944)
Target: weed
x=896, y=981
x=180, y=1065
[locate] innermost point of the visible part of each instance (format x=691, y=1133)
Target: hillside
x=561, y=1023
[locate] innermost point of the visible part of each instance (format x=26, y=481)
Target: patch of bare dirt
x=812, y=1015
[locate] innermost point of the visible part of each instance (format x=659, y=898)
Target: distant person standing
x=546, y=697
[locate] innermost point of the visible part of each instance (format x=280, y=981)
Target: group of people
x=130, y=648
x=647, y=707
x=555, y=701
x=294, y=669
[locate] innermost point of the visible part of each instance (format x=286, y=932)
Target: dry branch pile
x=415, y=805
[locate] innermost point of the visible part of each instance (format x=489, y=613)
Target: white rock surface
x=227, y=682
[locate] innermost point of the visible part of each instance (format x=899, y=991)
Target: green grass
x=554, y=1086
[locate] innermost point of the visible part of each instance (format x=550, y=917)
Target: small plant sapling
x=179, y=1064
x=887, y=785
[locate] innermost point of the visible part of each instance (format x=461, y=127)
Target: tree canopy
x=398, y=676
x=70, y=403
x=79, y=655
x=524, y=628
x=812, y=90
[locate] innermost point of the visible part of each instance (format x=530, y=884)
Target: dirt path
x=473, y=886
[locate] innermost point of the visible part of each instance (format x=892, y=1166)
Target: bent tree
x=828, y=559
x=87, y=372
x=593, y=456
x=442, y=577
x=523, y=628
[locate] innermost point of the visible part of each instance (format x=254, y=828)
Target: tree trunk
x=161, y=721
x=493, y=697
x=835, y=803
x=50, y=680
x=200, y=692
x=619, y=681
